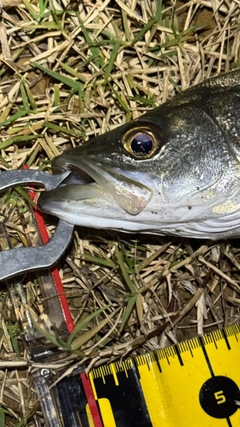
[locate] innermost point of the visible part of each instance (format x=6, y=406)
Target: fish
x=173, y=171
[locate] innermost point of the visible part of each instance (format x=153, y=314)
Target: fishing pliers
x=21, y=260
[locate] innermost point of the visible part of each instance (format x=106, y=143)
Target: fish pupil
x=142, y=144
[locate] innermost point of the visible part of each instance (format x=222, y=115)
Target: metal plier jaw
x=24, y=259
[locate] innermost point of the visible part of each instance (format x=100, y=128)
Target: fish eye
x=142, y=142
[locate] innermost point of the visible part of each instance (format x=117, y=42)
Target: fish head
x=175, y=170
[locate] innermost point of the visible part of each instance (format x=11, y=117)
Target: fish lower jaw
x=210, y=228
x=193, y=221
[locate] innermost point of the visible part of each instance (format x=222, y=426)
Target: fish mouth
x=91, y=181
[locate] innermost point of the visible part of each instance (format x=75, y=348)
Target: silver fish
x=173, y=171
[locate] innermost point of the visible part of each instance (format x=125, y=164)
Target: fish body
x=173, y=171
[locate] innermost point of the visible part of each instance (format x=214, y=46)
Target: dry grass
x=72, y=70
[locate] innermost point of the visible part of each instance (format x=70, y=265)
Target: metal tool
x=22, y=260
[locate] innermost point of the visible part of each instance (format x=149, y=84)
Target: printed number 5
x=219, y=396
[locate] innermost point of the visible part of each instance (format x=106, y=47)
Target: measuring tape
x=194, y=383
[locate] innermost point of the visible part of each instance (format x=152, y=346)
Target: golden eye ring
x=142, y=142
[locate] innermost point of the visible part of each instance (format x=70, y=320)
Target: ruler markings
x=179, y=390
x=178, y=355
x=191, y=350
x=184, y=347
x=171, y=351
x=157, y=362
x=165, y=357
x=215, y=339
x=148, y=364
x=141, y=360
x=145, y=359
x=203, y=347
x=154, y=386
x=233, y=330
x=105, y=369
x=136, y=367
x=226, y=339
x=114, y=374
x=229, y=330
x=127, y=367
x=191, y=346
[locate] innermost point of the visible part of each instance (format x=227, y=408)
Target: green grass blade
x=121, y=102
x=14, y=117
x=13, y=334
x=62, y=129
x=2, y=417
x=30, y=97
x=127, y=312
x=73, y=84
x=100, y=261
x=124, y=272
x=16, y=140
x=95, y=51
x=81, y=325
x=78, y=342
x=111, y=62
x=24, y=97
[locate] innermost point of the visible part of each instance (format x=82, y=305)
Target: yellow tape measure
x=194, y=383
